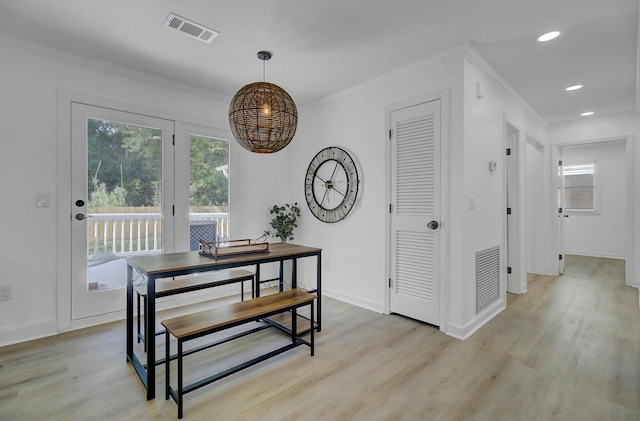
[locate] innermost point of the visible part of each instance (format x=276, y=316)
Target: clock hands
x=323, y=197
x=334, y=171
x=324, y=181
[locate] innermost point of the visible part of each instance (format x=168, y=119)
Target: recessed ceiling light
x=586, y=114
x=573, y=88
x=548, y=36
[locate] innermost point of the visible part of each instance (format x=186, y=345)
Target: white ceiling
x=321, y=47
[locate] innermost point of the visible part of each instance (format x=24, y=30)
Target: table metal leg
x=167, y=365
x=294, y=273
x=319, y=290
x=129, y=313
x=150, y=337
x=180, y=386
x=257, y=281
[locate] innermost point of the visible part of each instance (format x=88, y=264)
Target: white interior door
x=121, y=201
x=415, y=212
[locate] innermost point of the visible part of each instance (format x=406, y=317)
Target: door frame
x=514, y=230
x=444, y=96
x=64, y=99
x=630, y=153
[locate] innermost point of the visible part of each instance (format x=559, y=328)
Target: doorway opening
x=594, y=200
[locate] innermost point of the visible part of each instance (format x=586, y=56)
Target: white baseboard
x=27, y=331
x=43, y=328
x=350, y=299
x=464, y=332
x=595, y=254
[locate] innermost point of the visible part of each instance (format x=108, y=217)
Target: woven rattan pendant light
x=262, y=116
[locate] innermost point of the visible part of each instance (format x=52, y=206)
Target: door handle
x=432, y=225
x=82, y=216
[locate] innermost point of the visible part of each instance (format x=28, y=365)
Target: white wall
x=599, y=234
x=486, y=111
x=619, y=126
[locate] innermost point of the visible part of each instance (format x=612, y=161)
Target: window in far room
x=580, y=188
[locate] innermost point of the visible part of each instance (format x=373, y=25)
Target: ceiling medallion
x=262, y=115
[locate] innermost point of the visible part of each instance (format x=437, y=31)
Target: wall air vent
x=187, y=27
x=487, y=277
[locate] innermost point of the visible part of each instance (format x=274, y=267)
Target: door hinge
x=390, y=208
x=509, y=269
x=508, y=211
x=389, y=134
x=389, y=282
x=174, y=140
x=508, y=151
x=173, y=210
x=559, y=257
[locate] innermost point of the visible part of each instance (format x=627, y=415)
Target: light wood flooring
x=567, y=350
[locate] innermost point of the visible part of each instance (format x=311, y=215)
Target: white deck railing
x=125, y=234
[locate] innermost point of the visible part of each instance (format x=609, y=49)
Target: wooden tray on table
x=217, y=249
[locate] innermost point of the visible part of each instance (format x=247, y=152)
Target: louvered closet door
x=415, y=188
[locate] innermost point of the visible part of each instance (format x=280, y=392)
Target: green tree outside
x=125, y=168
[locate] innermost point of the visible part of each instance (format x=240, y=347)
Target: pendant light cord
x=264, y=70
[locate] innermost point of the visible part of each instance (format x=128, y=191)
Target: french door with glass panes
x=122, y=187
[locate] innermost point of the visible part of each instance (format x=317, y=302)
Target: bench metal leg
x=138, y=319
x=294, y=324
x=311, y=327
x=144, y=317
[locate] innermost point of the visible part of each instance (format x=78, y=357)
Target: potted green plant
x=284, y=221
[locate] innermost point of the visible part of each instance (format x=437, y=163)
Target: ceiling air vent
x=194, y=30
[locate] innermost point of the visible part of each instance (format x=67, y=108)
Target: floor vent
x=187, y=27
x=487, y=277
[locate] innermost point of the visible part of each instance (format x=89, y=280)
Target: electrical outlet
x=5, y=293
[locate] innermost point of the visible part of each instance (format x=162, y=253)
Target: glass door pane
x=208, y=190
x=124, y=179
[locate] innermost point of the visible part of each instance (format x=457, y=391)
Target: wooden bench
x=195, y=325
x=193, y=283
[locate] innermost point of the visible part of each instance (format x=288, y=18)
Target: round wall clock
x=331, y=184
